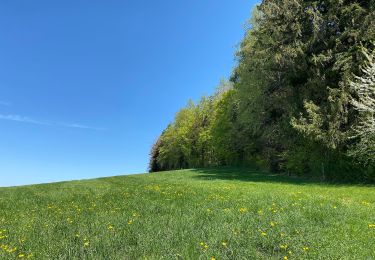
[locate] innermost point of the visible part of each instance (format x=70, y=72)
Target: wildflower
x=21, y=255
x=243, y=210
x=86, y=242
x=371, y=225
x=224, y=244
x=264, y=234
x=213, y=258
x=335, y=207
x=130, y=222
x=305, y=248
x=204, y=245
x=11, y=250
x=283, y=246
x=285, y=258
x=272, y=224
x=110, y=227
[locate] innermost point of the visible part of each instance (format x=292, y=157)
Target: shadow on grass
x=251, y=175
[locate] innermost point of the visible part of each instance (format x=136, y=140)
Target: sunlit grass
x=189, y=214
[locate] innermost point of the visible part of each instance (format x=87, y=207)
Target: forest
x=300, y=100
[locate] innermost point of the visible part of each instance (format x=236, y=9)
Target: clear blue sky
x=87, y=86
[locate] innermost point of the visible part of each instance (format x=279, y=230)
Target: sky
x=87, y=86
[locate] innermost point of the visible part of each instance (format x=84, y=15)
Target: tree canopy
x=300, y=100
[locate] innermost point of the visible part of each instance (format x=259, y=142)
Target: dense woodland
x=301, y=99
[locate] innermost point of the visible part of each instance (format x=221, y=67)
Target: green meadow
x=222, y=213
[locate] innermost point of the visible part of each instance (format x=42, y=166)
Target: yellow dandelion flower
x=213, y=258
x=371, y=225
x=264, y=234
x=21, y=255
x=204, y=245
x=11, y=250
x=243, y=210
x=224, y=243
x=285, y=258
x=110, y=227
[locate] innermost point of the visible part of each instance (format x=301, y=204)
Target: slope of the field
x=188, y=214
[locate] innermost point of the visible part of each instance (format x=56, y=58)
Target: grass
x=224, y=213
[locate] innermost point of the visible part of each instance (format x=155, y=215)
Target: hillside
x=224, y=213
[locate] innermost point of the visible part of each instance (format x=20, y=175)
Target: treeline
x=300, y=100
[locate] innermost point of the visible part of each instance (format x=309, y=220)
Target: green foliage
x=154, y=154
x=291, y=97
x=186, y=143
x=223, y=129
x=364, y=130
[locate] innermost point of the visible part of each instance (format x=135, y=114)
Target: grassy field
x=188, y=214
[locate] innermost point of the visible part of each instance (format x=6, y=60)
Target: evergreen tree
x=364, y=103
x=291, y=100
